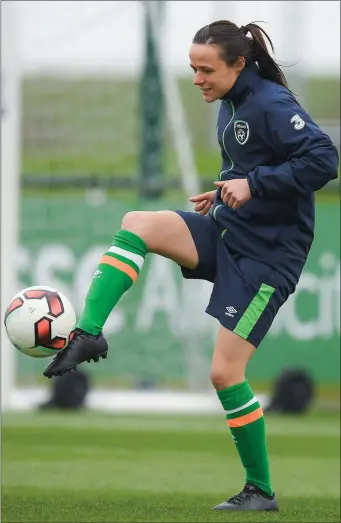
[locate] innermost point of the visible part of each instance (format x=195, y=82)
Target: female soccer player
x=250, y=236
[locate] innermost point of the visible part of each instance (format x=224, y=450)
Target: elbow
x=333, y=163
x=328, y=163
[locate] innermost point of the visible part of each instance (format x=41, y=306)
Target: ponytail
x=267, y=65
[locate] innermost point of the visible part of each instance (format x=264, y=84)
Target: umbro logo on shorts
x=230, y=311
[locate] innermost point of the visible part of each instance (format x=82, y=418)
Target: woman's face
x=213, y=75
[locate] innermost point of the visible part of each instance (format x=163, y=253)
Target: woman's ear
x=239, y=64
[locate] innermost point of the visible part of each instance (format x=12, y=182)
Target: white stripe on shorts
x=251, y=402
x=136, y=258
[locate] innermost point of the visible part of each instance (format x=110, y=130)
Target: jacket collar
x=245, y=84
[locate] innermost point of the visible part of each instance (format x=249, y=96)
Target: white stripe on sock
x=136, y=258
x=251, y=402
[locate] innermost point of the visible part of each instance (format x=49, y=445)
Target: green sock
x=117, y=271
x=246, y=421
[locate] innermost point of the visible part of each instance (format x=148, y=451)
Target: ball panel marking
x=15, y=304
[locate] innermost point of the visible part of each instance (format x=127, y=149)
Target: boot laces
x=76, y=337
x=245, y=495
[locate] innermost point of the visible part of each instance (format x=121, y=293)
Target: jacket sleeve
x=309, y=158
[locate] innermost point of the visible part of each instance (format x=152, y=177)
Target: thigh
x=246, y=296
x=206, y=236
x=165, y=233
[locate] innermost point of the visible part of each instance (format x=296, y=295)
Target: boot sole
x=246, y=510
x=103, y=355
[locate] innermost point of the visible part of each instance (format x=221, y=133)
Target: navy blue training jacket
x=266, y=137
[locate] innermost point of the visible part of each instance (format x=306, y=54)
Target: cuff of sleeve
x=252, y=185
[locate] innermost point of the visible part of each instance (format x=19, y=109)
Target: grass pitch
x=65, y=467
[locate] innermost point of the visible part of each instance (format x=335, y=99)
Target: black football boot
x=82, y=347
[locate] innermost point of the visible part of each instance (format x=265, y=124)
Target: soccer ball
x=40, y=321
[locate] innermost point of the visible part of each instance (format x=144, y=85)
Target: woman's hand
x=235, y=192
x=203, y=202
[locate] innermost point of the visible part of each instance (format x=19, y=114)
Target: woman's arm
x=312, y=159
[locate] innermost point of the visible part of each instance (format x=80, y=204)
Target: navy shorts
x=246, y=294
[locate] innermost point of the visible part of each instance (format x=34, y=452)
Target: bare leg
x=165, y=233
x=230, y=357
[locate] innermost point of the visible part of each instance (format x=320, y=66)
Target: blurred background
x=99, y=117
x=107, y=120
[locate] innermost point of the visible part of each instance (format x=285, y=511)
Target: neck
x=245, y=83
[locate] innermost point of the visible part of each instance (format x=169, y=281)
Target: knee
x=141, y=223
x=130, y=220
x=223, y=377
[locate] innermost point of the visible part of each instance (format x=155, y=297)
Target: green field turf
x=101, y=467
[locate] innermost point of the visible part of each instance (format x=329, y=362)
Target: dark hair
x=234, y=43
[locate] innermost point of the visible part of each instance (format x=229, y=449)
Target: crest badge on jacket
x=241, y=131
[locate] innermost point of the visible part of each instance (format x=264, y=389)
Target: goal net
x=70, y=171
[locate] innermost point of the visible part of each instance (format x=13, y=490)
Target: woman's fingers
x=203, y=207
x=206, y=208
x=202, y=197
x=200, y=205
